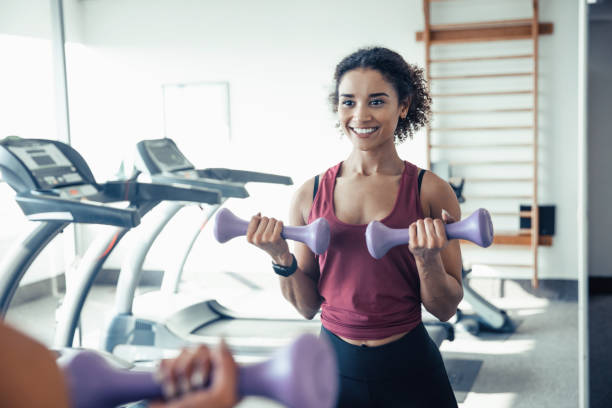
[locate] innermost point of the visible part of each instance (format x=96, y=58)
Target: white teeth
x=363, y=131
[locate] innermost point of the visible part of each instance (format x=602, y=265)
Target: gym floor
x=537, y=366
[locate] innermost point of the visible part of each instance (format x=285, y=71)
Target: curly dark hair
x=408, y=81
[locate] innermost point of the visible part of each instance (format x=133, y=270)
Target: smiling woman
x=408, y=83
x=371, y=309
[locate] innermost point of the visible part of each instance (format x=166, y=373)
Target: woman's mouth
x=363, y=131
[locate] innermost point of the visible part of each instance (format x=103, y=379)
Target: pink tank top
x=365, y=298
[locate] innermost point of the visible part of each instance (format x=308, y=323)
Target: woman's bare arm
x=301, y=288
x=438, y=260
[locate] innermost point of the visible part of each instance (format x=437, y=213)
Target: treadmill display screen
x=167, y=157
x=43, y=160
x=47, y=164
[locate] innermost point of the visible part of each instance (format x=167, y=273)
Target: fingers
x=253, y=226
x=426, y=234
x=187, y=372
x=440, y=233
x=263, y=230
x=225, y=380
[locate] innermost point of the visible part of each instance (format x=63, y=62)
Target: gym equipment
x=476, y=228
x=457, y=183
x=315, y=235
x=303, y=375
x=55, y=186
x=486, y=317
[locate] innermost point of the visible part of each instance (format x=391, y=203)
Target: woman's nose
x=362, y=114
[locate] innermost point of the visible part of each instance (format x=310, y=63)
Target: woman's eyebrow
x=372, y=95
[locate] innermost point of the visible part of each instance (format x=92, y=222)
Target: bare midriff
x=374, y=343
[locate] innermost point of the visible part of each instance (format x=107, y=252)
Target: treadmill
x=55, y=186
x=202, y=321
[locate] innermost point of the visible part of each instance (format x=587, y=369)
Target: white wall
x=27, y=109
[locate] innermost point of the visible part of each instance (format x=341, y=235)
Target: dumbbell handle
x=476, y=228
x=302, y=375
x=315, y=235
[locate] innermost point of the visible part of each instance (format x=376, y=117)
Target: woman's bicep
x=438, y=196
x=298, y=216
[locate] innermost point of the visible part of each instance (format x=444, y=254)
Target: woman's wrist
x=429, y=261
x=285, y=259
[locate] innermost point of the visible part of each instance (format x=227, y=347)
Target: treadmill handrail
x=243, y=176
x=41, y=207
x=138, y=192
x=226, y=188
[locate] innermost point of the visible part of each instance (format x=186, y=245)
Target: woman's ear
x=405, y=107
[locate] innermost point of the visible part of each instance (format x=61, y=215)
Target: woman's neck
x=367, y=163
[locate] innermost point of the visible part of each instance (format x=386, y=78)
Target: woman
x=371, y=309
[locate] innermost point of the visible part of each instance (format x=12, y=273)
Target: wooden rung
x=494, y=93
x=496, y=265
x=476, y=32
x=471, y=59
x=510, y=238
x=481, y=128
x=525, y=213
x=491, y=163
x=476, y=76
x=482, y=146
x=498, y=197
x=478, y=111
x=480, y=24
x=498, y=180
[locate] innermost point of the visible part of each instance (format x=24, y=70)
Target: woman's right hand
x=265, y=233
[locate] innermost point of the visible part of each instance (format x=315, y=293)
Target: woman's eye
x=348, y=102
x=376, y=102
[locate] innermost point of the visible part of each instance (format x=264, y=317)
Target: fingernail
x=445, y=212
x=197, y=378
x=169, y=390
x=185, y=385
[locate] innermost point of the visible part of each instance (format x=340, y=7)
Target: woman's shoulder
x=436, y=194
x=304, y=195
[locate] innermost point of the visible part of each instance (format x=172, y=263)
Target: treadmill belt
x=259, y=328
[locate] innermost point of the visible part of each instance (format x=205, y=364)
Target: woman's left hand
x=184, y=377
x=428, y=236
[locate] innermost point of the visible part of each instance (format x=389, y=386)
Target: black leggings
x=408, y=372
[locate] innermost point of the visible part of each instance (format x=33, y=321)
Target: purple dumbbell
x=315, y=234
x=476, y=228
x=302, y=375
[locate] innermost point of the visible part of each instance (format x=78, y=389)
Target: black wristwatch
x=285, y=270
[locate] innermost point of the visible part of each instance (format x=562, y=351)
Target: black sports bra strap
x=316, y=187
x=421, y=174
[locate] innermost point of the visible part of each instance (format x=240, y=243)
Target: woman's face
x=368, y=108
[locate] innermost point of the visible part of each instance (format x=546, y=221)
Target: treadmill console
x=51, y=169
x=164, y=155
